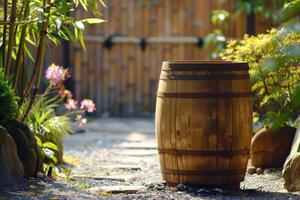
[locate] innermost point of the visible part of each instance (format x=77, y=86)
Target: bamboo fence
x=122, y=80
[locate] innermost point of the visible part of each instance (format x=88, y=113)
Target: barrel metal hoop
x=199, y=95
x=205, y=67
x=204, y=172
x=204, y=153
x=206, y=77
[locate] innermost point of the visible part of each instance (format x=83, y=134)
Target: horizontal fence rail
x=137, y=40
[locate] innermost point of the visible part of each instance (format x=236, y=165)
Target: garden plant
x=28, y=112
x=274, y=60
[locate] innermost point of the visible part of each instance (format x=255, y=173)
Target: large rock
x=291, y=168
x=11, y=168
x=291, y=173
x=270, y=149
x=28, y=151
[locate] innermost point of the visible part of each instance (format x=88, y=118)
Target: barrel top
x=199, y=65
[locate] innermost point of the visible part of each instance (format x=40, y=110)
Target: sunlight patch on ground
x=72, y=160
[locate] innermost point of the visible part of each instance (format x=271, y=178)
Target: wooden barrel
x=204, y=122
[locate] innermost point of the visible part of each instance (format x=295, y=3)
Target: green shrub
x=44, y=122
x=274, y=63
x=8, y=99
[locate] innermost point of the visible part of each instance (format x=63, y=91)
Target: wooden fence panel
x=123, y=80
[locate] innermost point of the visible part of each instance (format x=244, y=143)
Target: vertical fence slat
x=123, y=80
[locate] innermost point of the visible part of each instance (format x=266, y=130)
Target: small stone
x=202, y=191
x=259, y=170
x=193, y=194
x=32, y=187
x=251, y=170
x=116, y=189
x=218, y=190
x=39, y=175
x=183, y=187
x=267, y=171
x=180, y=187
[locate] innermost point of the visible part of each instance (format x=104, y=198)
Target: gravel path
x=120, y=156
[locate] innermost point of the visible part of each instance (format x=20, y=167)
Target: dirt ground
x=117, y=159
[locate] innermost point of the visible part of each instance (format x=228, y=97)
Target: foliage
x=8, y=99
x=48, y=126
x=290, y=10
x=48, y=149
x=216, y=40
x=260, y=6
x=25, y=28
x=274, y=60
x=220, y=16
x=44, y=122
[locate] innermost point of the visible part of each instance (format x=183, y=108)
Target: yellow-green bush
x=274, y=60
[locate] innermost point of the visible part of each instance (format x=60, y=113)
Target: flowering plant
x=48, y=126
x=56, y=75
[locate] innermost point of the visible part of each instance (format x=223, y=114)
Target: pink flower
x=56, y=74
x=71, y=104
x=81, y=121
x=88, y=105
x=66, y=93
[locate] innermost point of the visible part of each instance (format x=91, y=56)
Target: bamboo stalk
x=37, y=72
x=22, y=74
x=4, y=32
x=11, y=36
x=21, y=48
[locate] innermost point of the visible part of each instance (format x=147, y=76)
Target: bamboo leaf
x=81, y=40
x=102, y=3
x=92, y=20
x=50, y=145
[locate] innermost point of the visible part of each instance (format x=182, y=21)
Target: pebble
x=183, y=187
x=251, y=170
x=218, y=190
x=116, y=189
x=201, y=190
x=267, y=171
x=40, y=175
x=259, y=170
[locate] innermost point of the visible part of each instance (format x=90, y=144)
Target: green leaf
x=290, y=10
x=83, y=4
x=50, y=145
x=54, y=159
x=38, y=141
x=81, y=40
x=296, y=97
x=102, y=3
x=93, y=20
